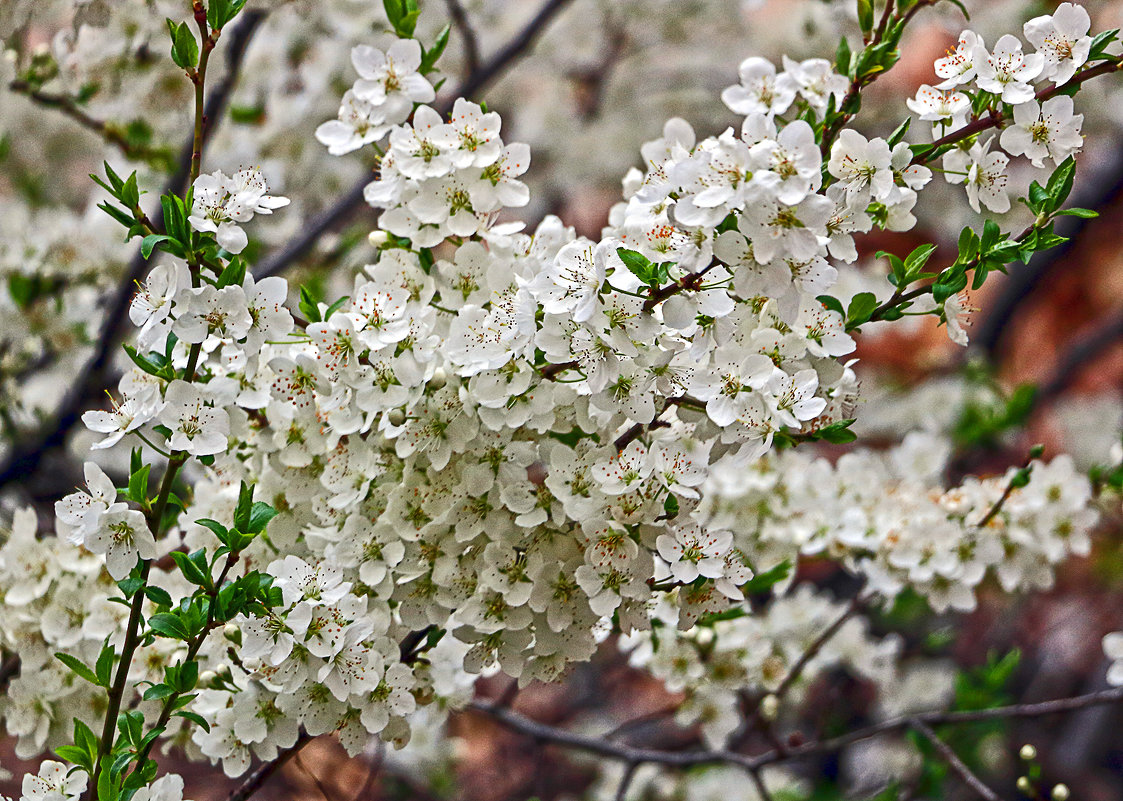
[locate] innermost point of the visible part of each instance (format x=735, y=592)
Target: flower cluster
x=753, y=655
x=1040, y=130
x=500, y=445
x=885, y=516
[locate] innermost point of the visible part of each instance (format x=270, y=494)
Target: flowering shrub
x=499, y=447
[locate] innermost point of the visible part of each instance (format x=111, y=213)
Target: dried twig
x=954, y=762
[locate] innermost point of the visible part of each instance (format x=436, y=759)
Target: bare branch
x=255, y=780
x=954, y=762
x=681, y=759
x=468, y=34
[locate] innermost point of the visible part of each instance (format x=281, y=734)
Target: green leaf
x=194, y=718
x=637, y=264
x=150, y=242
x=260, y=515
x=670, y=506
x=1099, y=45
x=762, y=582
x=158, y=596
x=190, y=570
x=167, y=624
x=1086, y=214
x=1060, y=182
x=103, y=668
x=433, y=54
x=837, y=433
x=185, y=50
x=159, y=691
x=307, y=304
x=233, y=274
x=861, y=307
x=899, y=134
x=865, y=16
x=72, y=753
x=85, y=739
x=832, y=303
x=79, y=668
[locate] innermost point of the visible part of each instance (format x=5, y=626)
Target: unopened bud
x=224, y=673
x=232, y=633
x=377, y=238
x=439, y=379
x=396, y=417
x=1060, y=792
x=1028, y=753
x=769, y=707
x=207, y=678
x=1024, y=785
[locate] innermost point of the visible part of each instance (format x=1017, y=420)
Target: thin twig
x=761, y=788
x=954, y=762
x=816, y=646
x=626, y=780
x=315, y=779
x=255, y=780
x=467, y=34
x=109, y=132
x=626, y=753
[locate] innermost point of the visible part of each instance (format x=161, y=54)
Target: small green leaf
x=79, y=668
x=169, y=625
x=150, y=242
x=194, y=717
x=861, y=307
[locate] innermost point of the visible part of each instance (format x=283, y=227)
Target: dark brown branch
x=996, y=119
x=954, y=762
x=611, y=750
x=299, y=246
x=109, y=132
x=259, y=777
x=817, y=645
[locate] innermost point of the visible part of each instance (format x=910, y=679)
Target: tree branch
x=954, y=762
x=467, y=34
x=255, y=780
x=619, y=751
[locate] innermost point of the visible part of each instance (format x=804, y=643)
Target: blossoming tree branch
x=502, y=446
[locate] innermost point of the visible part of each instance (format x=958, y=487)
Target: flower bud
x=377, y=238
x=207, y=678
x=1028, y=753
x=224, y=673
x=1024, y=785
x=1060, y=792
x=232, y=633
x=439, y=379
x=769, y=707
x=396, y=417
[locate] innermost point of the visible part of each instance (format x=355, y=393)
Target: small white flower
x=197, y=428
x=220, y=202
x=956, y=311
x=958, y=66
x=863, y=165
x=122, y=534
x=984, y=173
x=390, y=80
x=760, y=90
x=1007, y=72
x=1063, y=39
x=1048, y=130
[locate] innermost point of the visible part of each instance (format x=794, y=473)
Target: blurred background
x=88, y=80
